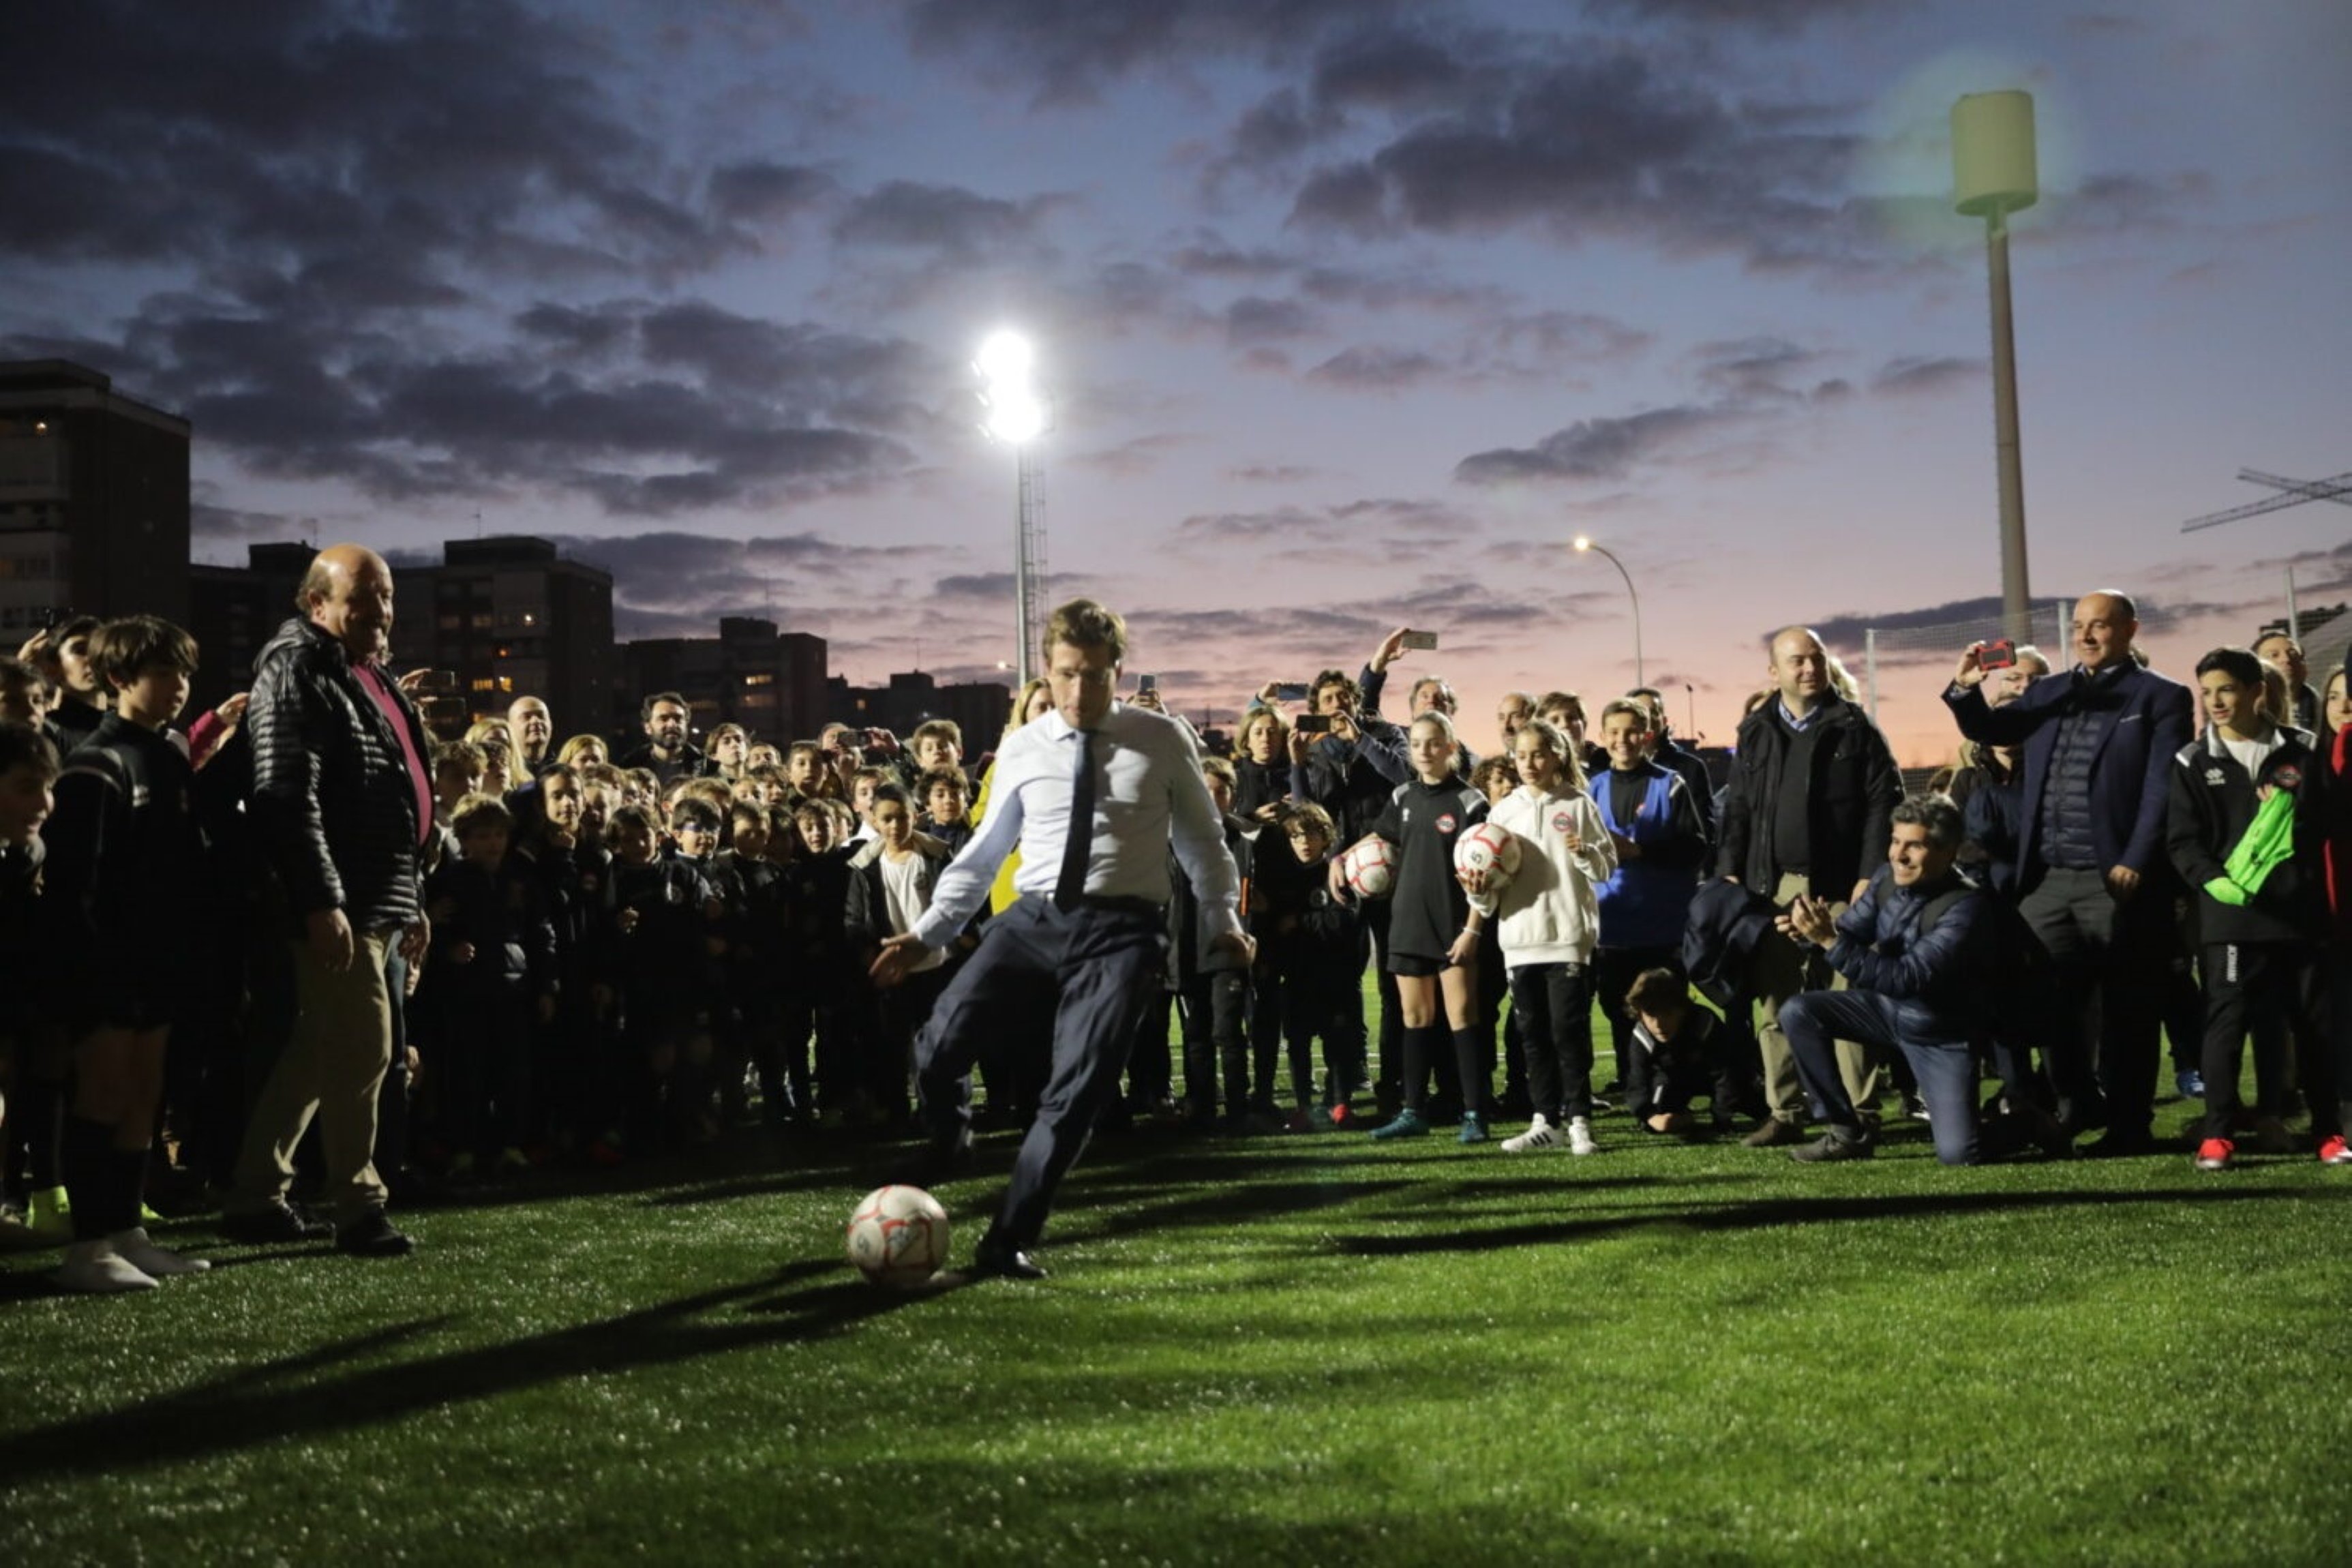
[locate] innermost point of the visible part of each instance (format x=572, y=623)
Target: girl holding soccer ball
x=1434, y=933
x=1548, y=916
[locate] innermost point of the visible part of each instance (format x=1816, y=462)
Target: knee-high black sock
x=127, y=1189
x=44, y=1123
x=1470, y=1062
x=1418, y=1045
x=84, y=1157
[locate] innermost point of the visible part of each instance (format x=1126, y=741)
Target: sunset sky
x=1353, y=312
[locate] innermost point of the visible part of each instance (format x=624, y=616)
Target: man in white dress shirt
x=1089, y=929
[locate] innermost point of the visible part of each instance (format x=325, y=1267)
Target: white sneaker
x=94, y=1266
x=1580, y=1136
x=1538, y=1135
x=149, y=1259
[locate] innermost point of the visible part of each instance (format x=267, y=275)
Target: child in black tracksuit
x=1434, y=933
x=754, y=967
x=1212, y=992
x=1687, y=1052
x=2246, y=827
x=126, y=883
x=945, y=795
x=572, y=1069
x=652, y=946
x=694, y=826
x=1324, y=983
x=491, y=980
x=820, y=994
x=28, y=766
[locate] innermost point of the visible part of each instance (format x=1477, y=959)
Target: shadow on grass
x=283, y=1400
x=1768, y=1212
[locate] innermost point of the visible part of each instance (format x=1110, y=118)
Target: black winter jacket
x=333, y=808
x=2214, y=803
x=1850, y=800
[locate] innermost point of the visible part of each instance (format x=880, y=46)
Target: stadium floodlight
x=1016, y=414
x=1584, y=546
x=1993, y=176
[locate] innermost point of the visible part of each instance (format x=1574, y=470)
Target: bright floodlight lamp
x=1584, y=545
x=1993, y=176
x=1005, y=357
x=1017, y=414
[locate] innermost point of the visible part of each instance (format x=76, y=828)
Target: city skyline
x=1354, y=314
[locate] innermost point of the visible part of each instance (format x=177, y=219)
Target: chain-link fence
x=2319, y=617
x=1892, y=652
x=2318, y=614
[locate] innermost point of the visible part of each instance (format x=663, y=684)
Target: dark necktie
x=1078, y=847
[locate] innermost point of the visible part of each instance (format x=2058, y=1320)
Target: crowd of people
x=459, y=959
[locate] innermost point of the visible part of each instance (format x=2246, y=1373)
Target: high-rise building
x=232, y=611
x=509, y=618
x=979, y=707
x=771, y=683
x=93, y=499
x=506, y=617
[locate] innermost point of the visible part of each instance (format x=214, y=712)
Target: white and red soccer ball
x=897, y=1237
x=1369, y=868
x=1483, y=847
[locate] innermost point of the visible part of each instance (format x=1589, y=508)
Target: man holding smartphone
x=2099, y=742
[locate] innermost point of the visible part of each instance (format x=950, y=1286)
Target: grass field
x=1291, y=1349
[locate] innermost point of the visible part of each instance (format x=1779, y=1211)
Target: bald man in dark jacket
x=2099, y=740
x=342, y=812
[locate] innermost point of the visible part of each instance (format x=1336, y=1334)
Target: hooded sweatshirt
x=1550, y=911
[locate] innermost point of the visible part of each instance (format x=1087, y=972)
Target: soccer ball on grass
x=897, y=1237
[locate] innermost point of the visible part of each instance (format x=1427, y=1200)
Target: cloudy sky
x=1353, y=312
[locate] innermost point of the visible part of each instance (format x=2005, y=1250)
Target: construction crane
x=2290, y=492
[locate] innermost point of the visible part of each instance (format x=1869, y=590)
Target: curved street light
x=1584, y=545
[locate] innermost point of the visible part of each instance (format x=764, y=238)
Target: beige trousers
x=1776, y=973
x=331, y=1069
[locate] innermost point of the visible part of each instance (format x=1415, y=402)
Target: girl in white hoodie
x=1549, y=919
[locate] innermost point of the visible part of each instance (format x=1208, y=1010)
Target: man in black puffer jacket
x=342, y=811
x=1808, y=812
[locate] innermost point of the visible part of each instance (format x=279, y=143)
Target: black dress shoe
x=372, y=1236
x=2122, y=1143
x=1005, y=1262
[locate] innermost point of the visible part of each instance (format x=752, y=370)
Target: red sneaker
x=2334, y=1150
x=2213, y=1154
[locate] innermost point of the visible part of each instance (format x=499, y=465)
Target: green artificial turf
x=1304, y=1349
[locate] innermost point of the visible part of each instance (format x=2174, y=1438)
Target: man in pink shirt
x=342, y=812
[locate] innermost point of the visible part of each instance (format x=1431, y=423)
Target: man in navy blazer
x=2098, y=741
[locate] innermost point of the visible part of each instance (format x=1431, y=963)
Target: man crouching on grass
x=1094, y=793
x=1919, y=948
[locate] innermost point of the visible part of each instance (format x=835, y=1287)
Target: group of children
x=621, y=965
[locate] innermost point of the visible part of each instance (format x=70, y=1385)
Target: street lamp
x=1017, y=414
x=1993, y=176
x=1584, y=545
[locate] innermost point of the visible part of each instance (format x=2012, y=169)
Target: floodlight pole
x=2016, y=597
x=1024, y=564
x=1994, y=174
